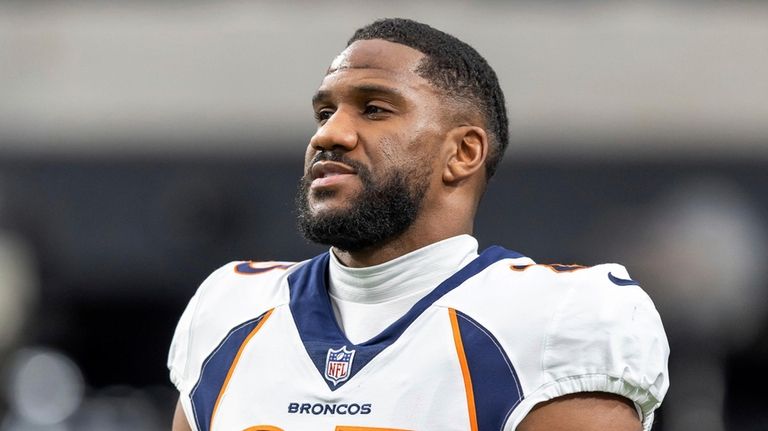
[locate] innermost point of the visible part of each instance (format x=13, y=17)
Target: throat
x=367, y=300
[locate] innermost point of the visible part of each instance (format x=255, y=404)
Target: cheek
x=414, y=156
x=390, y=150
x=405, y=146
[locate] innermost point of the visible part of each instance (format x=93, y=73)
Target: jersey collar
x=312, y=312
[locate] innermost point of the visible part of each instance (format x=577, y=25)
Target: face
x=369, y=166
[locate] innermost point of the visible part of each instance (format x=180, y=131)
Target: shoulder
x=239, y=286
x=519, y=289
x=545, y=290
x=233, y=294
x=239, y=290
x=570, y=329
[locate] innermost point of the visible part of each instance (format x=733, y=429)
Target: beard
x=382, y=211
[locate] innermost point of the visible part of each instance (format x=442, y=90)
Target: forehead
x=377, y=54
x=376, y=62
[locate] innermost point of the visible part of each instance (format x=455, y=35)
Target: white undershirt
x=367, y=300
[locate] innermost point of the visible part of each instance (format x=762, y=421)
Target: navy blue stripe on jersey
x=214, y=373
x=621, y=281
x=495, y=384
x=312, y=311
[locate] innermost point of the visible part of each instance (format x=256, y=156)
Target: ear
x=468, y=146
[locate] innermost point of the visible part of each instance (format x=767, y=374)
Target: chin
x=330, y=202
x=327, y=207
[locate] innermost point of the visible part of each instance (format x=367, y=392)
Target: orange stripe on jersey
x=263, y=428
x=250, y=267
x=234, y=364
x=464, y=370
x=348, y=428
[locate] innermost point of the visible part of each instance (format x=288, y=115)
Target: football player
x=403, y=324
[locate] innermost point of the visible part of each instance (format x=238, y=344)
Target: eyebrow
x=363, y=90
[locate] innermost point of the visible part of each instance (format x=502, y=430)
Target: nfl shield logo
x=338, y=364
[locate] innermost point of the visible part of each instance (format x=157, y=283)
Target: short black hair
x=455, y=67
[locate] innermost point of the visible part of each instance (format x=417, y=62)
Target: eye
x=375, y=111
x=322, y=115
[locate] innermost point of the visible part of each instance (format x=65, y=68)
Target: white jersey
x=258, y=349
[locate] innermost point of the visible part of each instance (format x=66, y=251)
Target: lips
x=326, y=173
x=328, y=169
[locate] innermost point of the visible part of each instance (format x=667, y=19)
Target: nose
x=338, y=132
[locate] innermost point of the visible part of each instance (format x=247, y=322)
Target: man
x=402, y=325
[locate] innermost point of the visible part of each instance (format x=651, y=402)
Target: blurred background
x=143, y=144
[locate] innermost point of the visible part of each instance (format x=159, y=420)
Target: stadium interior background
x=144, y=144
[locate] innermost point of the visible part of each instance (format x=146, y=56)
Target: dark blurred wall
x=123, y=243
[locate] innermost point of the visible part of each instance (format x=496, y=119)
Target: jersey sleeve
x=605, y=335
x=178, y=354
x=235, y=293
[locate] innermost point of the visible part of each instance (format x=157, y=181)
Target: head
x=455, y=68
x=407, y=116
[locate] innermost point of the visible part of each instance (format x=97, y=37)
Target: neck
x=410, y=240
x=451, y=214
